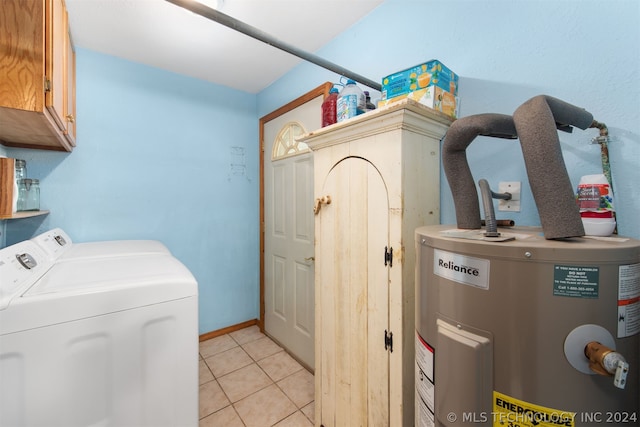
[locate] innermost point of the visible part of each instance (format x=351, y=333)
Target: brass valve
x=605, y=361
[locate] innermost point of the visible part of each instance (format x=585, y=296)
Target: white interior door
x=289, y=230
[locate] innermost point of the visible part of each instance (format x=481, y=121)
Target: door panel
x=288, y=256
x=354, y=230
x=304, y=294
x=279, y=293
x=279, y=212
x=303, y=322
x=289, y=296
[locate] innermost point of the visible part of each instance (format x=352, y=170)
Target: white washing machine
x=57, y=244
x=97, y=341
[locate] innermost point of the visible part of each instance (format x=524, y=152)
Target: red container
x=330, y=108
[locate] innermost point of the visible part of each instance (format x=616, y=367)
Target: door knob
x=319, y=201
x=311, y=258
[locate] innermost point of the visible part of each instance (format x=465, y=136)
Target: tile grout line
x=272, y=381
x=254, y=362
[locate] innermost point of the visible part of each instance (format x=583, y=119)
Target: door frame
x=323, y=90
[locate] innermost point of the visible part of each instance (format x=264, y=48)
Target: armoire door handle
x=319, y=202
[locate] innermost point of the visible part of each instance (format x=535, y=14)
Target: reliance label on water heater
x=462, y=269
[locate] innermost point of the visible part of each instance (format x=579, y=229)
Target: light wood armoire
x=376, y=179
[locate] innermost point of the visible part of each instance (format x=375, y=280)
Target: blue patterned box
x=430, y=73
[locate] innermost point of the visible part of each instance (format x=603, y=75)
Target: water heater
x=526, y=331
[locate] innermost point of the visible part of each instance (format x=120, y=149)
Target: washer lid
x=110, y=273
x=21, y=265
x=59, y=246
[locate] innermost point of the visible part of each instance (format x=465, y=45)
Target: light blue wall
x=585, y=52
x=166, y=157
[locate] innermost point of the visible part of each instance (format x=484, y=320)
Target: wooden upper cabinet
x=37, y=75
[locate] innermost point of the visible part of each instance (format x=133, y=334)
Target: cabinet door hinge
x=388, y=256
x=388, y=341
x=47, y=84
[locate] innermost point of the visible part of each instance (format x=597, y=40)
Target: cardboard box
x=430, y=73
x=431, y=96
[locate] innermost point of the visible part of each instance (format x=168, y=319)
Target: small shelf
x=24, y=214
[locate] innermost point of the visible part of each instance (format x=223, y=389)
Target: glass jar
x=20, y=169
x=20, y=172
x=29, y=194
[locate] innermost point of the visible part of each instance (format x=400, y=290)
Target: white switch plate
x=512, y=187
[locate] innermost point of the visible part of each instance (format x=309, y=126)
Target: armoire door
x=353, y=311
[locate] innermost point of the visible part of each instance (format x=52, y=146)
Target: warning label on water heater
x=578, y=282
x=628, y=300
x=424, y=398
x=509, y=411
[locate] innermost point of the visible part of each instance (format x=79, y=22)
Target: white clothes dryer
x=110, y=341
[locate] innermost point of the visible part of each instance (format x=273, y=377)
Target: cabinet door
x=70, y=96
x=55, y=61
x=21, y=58
x=353, y=310
x=36, y=110
x=60, y=70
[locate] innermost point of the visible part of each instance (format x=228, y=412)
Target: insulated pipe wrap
x=535, y=122
x=456, y=167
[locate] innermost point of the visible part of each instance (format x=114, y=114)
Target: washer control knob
x=26, y=260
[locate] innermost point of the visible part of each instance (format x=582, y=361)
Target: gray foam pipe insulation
x=535, y=123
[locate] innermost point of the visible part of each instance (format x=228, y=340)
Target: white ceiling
x=166, y=36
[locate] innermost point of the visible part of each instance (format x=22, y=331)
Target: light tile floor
x=246, y=379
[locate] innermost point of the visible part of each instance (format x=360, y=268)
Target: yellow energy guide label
x=511, y=412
